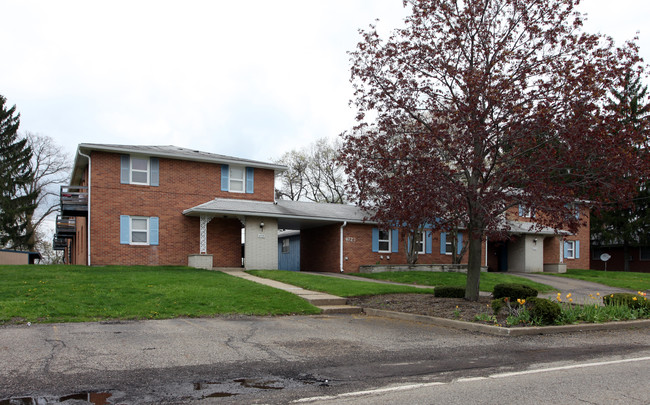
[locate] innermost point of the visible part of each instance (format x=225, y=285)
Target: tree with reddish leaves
x=478, y=106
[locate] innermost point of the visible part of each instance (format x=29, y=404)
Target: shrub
x=543, y=310
x=513, y=291
x=449, y=292
x=631, y=301
x=497, y=305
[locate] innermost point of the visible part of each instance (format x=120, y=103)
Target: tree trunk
x=626, y=257
x=473, y=266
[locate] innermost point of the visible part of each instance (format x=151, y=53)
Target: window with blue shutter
x=250, y=180
x=375, y=239
x=572, y=249
x=429, y=243
x=125, y=169
x=136, y=230
x=443, y=243
x=154, y=175
x=153, y=230
x=125, y=229
x=139, y=170
x=225, y=177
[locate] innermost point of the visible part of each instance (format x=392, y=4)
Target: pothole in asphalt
x=95, y=398
x=211, y=389
x=196, y=391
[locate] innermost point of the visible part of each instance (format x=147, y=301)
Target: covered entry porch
x=530, y=249
x=261, y=222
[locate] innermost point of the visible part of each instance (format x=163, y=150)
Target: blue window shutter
x=125, y=229
x=429, y=245
x=521, y=211
x=443, y=243
x=459, y=243
x=125, y=169
x=566, y=249
x=250, y=174
x=576, y=254
x=393, y=240
x=154, y=165
x=153, y=230
x=408, y=244
x=225, y=177
x=375, y=239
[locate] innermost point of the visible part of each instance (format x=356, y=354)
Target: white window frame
x=449, y=245
x=132, y=170
x=286, y=245
x=232, y=179
x=571, y=249
x=422, y=241
x=526, y=212
x=380, y=241
x=147, y=231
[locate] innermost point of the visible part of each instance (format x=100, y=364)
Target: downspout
x=342, y=226
x=88, y=223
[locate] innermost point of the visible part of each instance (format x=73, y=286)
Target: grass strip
x=620, y=279
x=453, y=279
x=50, y=293
x=336, y=286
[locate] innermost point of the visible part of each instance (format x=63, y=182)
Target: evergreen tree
x=16, y=206
x=628, y=225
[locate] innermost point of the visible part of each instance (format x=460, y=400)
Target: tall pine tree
x=628, y=225
x=16, y=206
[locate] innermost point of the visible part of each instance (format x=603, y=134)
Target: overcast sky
x=251, y=78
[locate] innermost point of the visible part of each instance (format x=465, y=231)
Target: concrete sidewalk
x=329, y=304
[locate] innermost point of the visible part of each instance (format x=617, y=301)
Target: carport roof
x=290, y=214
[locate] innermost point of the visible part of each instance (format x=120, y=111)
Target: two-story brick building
x=165, y=205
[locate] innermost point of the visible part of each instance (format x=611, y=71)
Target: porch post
x=203, y=230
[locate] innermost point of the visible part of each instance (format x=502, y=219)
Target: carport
x=261, y=221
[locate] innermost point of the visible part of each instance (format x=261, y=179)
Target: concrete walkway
x=328, y=304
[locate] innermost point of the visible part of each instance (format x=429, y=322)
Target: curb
x=500, y=331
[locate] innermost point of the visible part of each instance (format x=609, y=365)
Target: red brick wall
x=617, y=261
x=552, y=245
x=319, y=249
x=552, y=249
x=183, y=185
x=583, y=237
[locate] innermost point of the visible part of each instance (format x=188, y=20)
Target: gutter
x=345, y=223
x=89, y=191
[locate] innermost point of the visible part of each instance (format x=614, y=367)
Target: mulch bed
x=427, y=304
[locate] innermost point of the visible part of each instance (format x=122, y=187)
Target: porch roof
x=290, y=214
x=532, y=228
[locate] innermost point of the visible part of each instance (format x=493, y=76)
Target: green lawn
x=42, y=293
x=488, y=280
x=629, y=280
x=336, y=286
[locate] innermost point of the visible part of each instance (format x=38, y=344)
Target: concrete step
x=319, y=301
x=340, y=309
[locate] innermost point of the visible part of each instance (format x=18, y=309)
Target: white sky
x=251, y=78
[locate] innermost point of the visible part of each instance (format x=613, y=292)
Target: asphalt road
x=274, y=359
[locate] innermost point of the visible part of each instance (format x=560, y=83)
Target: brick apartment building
x=165, y=205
